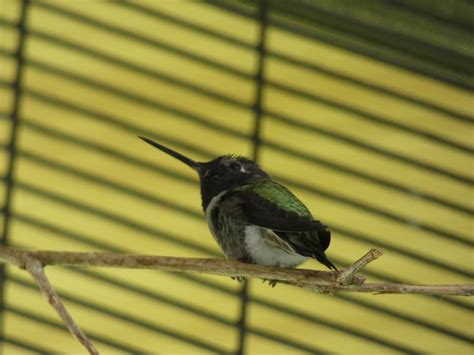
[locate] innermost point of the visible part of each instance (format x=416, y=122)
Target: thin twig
x=393, y=288
x=346, y=276
x=35, y=268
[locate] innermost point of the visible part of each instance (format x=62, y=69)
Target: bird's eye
x=234, y=166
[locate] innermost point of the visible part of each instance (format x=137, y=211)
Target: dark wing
x=306, y=236
x=264, y=213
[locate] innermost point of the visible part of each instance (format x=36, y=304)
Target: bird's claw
x=272, y=283
x=238, y=278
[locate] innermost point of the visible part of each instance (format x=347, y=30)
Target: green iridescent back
x=278, y=195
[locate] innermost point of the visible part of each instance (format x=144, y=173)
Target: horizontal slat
x=10, y=10
x=370, y=106
x=370, y=71
x=200, y=18
x=361, y=47
x=106, y=344
x=5, y=124
x=117, y=35
x=364, y=24
x=119, y=319
x=347, y=155
x=7, y=70
x=162, y=95
x=437, y=10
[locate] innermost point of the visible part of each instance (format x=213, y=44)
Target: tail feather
x=310, y=244
x=323, y=259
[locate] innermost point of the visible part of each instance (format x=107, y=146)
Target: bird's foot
x=272, y=283
x=238, y=278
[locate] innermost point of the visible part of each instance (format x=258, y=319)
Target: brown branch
x=393, y=288
x=321, y=281
x=346, y=277
x=35, y=268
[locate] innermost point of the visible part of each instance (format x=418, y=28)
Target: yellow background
x=106, y=172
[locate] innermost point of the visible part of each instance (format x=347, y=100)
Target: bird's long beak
x=191, y=163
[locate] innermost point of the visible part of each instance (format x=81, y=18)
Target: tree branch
x=346, y=277
x=36, y=270
x=319, y=281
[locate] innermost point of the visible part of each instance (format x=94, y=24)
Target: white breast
x=209, y=209
x=264, y=253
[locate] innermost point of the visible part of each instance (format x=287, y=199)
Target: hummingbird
x=253, y=218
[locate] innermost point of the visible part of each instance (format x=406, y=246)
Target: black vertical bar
x=259, y=79
x=259, y=82
x=11, y=147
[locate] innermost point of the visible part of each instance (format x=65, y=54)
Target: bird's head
x=217, y=175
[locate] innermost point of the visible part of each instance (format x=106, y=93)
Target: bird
x=253, y=218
